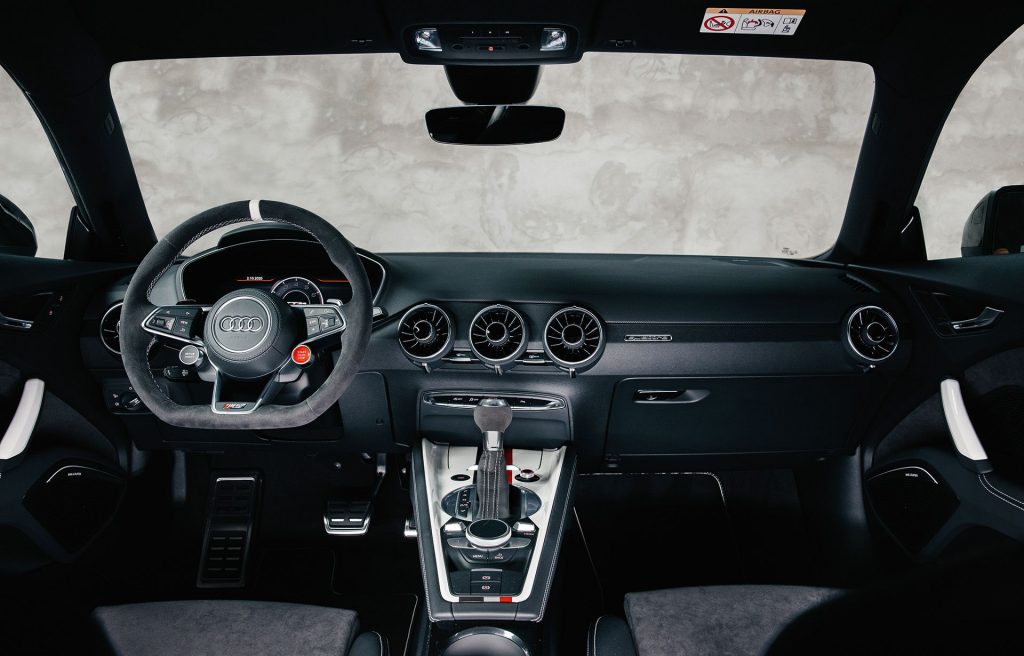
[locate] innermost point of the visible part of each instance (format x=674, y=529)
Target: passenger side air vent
x=110, y=329
x=498, y=336
x=425, y=333
x=573, y=338
x=872, y=333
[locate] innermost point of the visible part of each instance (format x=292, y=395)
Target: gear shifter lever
x=492, y=417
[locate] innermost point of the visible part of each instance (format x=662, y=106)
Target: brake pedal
x=352, y=516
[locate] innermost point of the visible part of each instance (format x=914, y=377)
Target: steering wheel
x=251, y=340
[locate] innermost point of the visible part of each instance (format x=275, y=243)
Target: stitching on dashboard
x=999, y=494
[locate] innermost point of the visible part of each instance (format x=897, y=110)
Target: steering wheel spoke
x=179, y=323
x=233, y=406
x=322, y=322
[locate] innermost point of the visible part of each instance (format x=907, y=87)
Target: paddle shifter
x=489, y=530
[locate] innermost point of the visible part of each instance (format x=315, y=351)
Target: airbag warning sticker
x=745, y=20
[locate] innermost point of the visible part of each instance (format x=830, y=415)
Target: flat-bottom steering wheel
x=246, y=339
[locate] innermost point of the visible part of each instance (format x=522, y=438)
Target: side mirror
x=17, y=236
x=996, y=225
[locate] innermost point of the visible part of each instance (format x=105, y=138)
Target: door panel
x=968, y=316
x=61, y=489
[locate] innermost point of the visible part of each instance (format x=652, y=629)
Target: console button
x=485, y=576
x=478, y=555
x=458, y=543
x=485, y=588
x=501, y=555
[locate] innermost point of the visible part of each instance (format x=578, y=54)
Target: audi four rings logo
x=241, y=324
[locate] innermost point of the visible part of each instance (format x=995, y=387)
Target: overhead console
x=546, y=43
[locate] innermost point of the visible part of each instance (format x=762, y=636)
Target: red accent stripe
x=505, y=600
x=508, y=461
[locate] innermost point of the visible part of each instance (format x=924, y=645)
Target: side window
x=34, y=195
x=972, y=196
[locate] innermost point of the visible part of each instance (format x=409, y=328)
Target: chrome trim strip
x=896, y=469
x=488, y=630
x=554, y=402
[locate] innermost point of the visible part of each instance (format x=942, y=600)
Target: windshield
x=661, y=154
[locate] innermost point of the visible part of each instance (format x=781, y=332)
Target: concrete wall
x=661, y=154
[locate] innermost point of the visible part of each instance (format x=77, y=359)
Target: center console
x=490, y=521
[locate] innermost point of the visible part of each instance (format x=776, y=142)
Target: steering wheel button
x=301, y=354
x=312, y=326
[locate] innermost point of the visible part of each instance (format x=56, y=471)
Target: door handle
x=987, y=317
x=968, y=447
x=19, y=432
x=669, y=396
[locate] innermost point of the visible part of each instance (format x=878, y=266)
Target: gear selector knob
x=492, y=417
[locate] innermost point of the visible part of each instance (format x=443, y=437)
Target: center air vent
x=110, y=329
x=872, y=334
x=425, y=333
x=498, y=335
x=573, y=338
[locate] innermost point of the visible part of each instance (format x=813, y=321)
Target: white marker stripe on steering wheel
x=254, y=210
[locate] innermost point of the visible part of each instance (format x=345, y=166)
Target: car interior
x=242, y=433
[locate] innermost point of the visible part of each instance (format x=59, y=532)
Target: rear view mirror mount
x=495, y=125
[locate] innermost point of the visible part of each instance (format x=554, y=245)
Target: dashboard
x=627, y=357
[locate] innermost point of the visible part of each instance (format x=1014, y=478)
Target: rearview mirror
x=996, y=225
x=495, y=125
x=17, y=236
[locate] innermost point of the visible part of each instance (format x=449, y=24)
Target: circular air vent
x=110, y=329
x=872, y=333
x=425, y=333
x=573, y=337
x=497, y=335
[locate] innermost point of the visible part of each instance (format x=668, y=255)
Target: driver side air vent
x=573, y=338
x=425, y=333
x=872, y=333
x=498, y=336
x=110, y=329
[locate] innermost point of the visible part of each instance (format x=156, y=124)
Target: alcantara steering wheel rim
x=251, y=328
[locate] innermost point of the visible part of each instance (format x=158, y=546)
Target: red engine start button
x=301, y=354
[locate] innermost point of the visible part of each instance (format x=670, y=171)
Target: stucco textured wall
x=661, y=153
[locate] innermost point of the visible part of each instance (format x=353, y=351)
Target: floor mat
x=310, y=576
x=650, y=531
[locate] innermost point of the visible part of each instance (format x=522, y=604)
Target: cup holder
x=485, y=641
